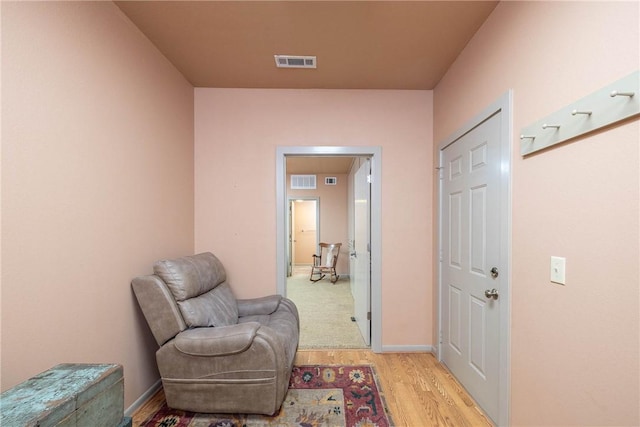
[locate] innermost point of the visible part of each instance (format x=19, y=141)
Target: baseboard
x=143, y=399
x=408, y=349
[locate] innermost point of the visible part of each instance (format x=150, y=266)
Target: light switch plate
x=558, y=270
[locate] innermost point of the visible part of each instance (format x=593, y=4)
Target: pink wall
x=333, y=214
x=575, y=348
x=97, y=183
x=236, y=135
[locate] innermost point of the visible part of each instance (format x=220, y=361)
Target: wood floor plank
x=150, y=407
x=418, y=390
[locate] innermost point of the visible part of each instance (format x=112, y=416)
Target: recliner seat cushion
x=198, y=285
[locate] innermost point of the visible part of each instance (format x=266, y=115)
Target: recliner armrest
x=258, y=306
x=218, y=341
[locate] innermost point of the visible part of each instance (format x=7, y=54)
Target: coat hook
x=616, y=93
x=574, y=112
x=545, y=126
x=527, y=137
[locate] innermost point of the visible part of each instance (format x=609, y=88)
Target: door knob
x=494, y=272
x=491, y=294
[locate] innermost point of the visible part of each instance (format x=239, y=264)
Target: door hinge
x=368, y=315
x=368, y=179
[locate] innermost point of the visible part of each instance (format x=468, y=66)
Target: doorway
x=333, y=313
x=303, y=231
x=474, y=238
x=374, y=153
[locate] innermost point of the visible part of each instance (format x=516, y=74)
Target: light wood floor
x=418, y=390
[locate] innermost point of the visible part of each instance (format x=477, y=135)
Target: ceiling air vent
x=303, y=182
x=291, y=61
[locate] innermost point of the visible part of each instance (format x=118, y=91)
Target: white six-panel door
x=470, y=237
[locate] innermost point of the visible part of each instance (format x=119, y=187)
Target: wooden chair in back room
x=325, y=262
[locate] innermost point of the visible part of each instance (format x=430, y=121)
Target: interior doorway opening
x=303, y=232
x=285, y=272
x=322, y=211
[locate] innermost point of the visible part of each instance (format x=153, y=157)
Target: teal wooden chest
x=67, y=395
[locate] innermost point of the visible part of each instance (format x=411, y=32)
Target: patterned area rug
x=318, y=396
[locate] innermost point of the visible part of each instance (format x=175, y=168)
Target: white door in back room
x=305, y=232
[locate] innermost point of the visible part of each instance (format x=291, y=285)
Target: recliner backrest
x=198, y=284
x=186, y=292
x=191, y=276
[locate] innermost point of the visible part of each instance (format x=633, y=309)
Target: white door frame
x=505, y=105
x=375, y=153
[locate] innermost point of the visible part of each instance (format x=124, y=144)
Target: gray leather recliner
x=217, y=354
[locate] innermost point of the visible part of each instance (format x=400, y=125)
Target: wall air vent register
x=292, y=61
x=303, y=182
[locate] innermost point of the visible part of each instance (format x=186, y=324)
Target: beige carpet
x=325, y=312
